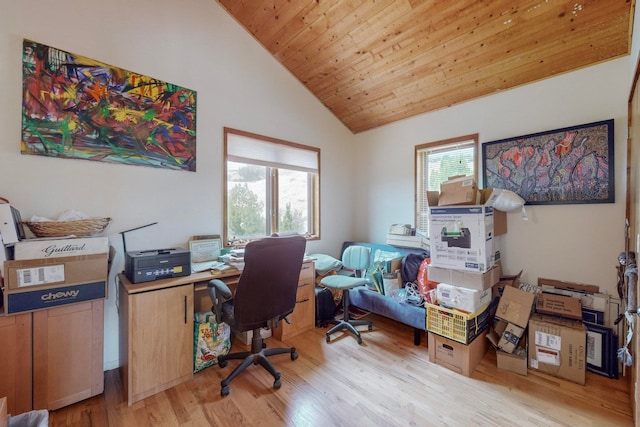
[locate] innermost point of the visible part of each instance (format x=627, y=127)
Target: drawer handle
x=304, y=300
x=304, y=284
x=185, y=309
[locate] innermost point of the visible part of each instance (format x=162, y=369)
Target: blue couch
x=374, y=302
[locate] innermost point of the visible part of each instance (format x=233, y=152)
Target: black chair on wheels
x=265, y=294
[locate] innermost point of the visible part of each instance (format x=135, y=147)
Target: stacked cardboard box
x=461, y=224
x=49, y=273
x=508, y=332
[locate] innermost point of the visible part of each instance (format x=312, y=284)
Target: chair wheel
x=371, y=327
x=328, y=338
x=294, y=353
x=224, y=391
x=222, y=363
x=277, y=384
x=359, y=340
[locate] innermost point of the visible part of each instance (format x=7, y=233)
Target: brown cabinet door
x=15, y=362
x=160, y=340
x=67, y=354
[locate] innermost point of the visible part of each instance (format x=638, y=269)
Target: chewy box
x=44, y=283
x=456, y=325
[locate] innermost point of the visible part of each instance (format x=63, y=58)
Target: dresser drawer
x=307, y=271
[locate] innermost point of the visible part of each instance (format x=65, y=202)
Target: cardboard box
x=515, y=306
x=516, y=361
x=558, y=347
x=44, y=283
x=559, y=305
x=465, y=279
x=459, y=190
x=56, y=248
x=510, y=338
x=247, y=336
x=506, y=281
x=464, y=299
x=456, y=356
x=461, y=237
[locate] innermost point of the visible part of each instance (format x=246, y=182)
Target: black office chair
x=265, y=294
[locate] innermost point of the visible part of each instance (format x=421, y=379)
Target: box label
x=548, y=356
x=548, y=340
x=47, y=298
x=40, y=275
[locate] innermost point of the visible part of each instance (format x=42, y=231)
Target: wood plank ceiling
x=373, y=62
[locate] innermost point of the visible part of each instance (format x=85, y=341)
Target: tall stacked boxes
x=49, y=273
x=461, y=235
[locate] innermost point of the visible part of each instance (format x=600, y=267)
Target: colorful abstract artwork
x=562, y=166
x=76, y=107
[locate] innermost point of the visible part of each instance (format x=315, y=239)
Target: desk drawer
x=305, y=292
x=307, y=271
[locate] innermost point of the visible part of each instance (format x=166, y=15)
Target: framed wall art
x=601, y=350
x=561, y=166
x=77, y=107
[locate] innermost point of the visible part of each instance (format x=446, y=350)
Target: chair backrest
x=356, y=257
x=269, y=281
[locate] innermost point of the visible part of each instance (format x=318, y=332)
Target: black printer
x=146, y=266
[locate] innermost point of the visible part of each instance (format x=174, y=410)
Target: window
x=271, y=186
x=435, y=163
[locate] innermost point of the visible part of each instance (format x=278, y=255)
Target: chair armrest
x=219, y=292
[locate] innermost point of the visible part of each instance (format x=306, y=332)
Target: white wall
x=577, y=243
x=198, y=46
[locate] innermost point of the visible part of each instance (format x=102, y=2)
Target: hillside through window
x=271, y=186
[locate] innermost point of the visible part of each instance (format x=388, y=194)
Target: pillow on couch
x=325, y=263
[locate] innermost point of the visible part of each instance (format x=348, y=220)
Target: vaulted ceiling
x=373, y=62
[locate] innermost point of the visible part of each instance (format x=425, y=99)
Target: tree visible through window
x=271, y=187
x=435, y=163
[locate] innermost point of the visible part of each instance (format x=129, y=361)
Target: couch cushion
x=374, y=302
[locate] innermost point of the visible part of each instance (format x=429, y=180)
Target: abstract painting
x=76, y=107
x=562, y=166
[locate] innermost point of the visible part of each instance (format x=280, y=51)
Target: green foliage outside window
x=245, y=212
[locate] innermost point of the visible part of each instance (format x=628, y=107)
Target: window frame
x=420, y=189
x=271, y=190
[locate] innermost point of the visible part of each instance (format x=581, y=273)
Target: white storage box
x=56, y=248
x=464, y=299
x=461, y=237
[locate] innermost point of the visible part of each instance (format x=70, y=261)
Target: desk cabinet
x=303, y=316
x=52, y=358
x=15, y=359
x=68, y=354
x=156, y=339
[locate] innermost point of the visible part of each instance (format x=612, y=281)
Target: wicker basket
x=80, y=228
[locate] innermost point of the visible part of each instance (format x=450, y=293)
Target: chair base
x=257, y=356
x=346, y=323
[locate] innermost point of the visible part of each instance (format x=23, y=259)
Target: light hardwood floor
x=387, y=381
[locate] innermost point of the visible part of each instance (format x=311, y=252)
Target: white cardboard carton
x=464, y=299
x=56, y=248
x=461, y=237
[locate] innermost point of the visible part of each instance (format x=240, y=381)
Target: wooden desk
x=156, y=326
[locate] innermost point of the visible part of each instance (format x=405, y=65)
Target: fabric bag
x=210, y=340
